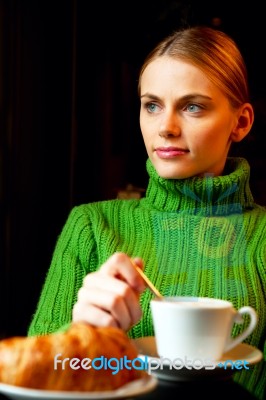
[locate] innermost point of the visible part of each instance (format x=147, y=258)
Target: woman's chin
x=173, y=174
x=171, y=169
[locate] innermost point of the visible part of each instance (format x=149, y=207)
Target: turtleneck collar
x=219, y=195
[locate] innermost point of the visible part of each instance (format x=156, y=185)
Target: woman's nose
x=170, y=126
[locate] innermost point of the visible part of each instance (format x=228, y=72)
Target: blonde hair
x=214, y=52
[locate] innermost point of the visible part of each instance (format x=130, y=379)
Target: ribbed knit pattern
x=197, y=237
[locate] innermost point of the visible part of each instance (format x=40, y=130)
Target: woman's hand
x=110, y=296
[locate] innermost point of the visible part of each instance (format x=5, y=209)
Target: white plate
x=223, y=368
x=132, y=389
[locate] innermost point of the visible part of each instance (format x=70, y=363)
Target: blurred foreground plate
x=132, y=389
x=230, y=363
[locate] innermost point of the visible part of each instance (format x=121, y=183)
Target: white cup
x=197, y=327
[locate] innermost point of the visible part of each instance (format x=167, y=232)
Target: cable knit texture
x=197, y=237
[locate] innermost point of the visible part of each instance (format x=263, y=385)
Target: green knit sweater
x=197, y=237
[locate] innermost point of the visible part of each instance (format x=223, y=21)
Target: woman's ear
x=244, y=122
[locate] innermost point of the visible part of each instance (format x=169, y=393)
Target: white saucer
x=221, y=370
x=132, y=389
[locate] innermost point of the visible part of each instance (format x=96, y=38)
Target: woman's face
x=186, y=121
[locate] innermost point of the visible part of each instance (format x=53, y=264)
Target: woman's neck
x=219, y=195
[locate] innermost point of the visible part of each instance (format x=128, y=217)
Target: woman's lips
x=170, y=152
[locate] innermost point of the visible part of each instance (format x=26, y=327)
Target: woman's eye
x=152, y=107
x=193, y=108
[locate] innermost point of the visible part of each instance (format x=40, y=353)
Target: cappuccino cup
x=198, y=327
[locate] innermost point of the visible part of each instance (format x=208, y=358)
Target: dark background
x=69, y=117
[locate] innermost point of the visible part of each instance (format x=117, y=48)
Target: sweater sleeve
x=74, y=256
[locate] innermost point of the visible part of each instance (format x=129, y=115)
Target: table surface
x=209, y=389
x=226, y=388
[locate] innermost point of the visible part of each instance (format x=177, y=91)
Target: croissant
x=84, y=358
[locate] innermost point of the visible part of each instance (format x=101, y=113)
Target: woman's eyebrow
x=194, y=96
x=188, y=97
x=150, y=96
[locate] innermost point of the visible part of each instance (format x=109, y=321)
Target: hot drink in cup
x=197, y=327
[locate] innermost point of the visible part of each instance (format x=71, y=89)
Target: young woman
x=197, y=232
